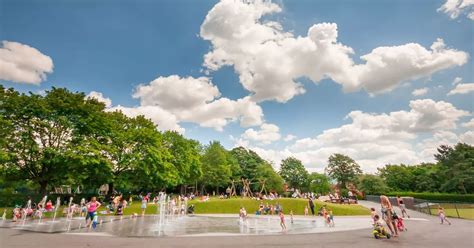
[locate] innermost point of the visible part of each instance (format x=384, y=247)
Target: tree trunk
x=43, y=187
x=111, y=189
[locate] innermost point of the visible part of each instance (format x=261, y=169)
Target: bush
x=440, y=197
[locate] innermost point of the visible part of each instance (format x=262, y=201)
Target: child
x=305, y=210
x=120, y=208
x=282, y=221
x=92, y=207
x=378, y=228
x=442, y=216
x=330, y=218
x=373, y=213
x=291, y=216
x=144, y=203
x=325, y=216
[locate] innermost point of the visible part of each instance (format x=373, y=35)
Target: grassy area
x=232, y=206
x=465, y=211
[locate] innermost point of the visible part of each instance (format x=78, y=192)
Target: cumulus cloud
x=467, y=137
x=197, y=100
x=289, y=137
x=374, y=140
x=420, y=92
x=269, y=60
x=267, y=134
x=469, y=124
x=99, y=97
x=457, y=80
x=462, y=89
x=23, y=64
x=162, y=118
x=453, y=8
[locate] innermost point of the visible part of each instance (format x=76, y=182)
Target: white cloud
x=374, y=140
x=99, y=97
x=420, y=92
x=289, y=137
x=469, y=124
x=467, y=137
x=269, y=60
x=457, y=80
x=454, y=8
x=462, y=89
x=23, y=64
x=267, y=134
x=162, y=118
x=195, y=100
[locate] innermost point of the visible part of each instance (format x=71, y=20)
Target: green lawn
x=466, y=211
x=232, y=206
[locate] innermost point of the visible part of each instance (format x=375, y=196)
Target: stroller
x=399, y=221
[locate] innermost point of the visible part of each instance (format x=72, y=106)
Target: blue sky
x=112, y=47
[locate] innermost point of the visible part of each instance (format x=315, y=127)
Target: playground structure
x=246, y=187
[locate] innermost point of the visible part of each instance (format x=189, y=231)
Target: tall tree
x=457, y=165
x=371, y=184
x=293, y=172
x=45, y=130
x=342, y=168
x=216, y=167
x=185, y=157
x=319, y=183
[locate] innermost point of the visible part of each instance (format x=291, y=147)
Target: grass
x=466, y=211
x=232, y=206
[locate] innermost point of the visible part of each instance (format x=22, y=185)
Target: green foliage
x=216, y=165
x=293, y=172
x=371, y=184
x=319, y=183
x=342, y=168
x=457, y=167
x=273, y=181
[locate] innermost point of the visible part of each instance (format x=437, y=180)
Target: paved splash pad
x=203, y=225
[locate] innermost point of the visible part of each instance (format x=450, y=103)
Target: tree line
x=63, y=138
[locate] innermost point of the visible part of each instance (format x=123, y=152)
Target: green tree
x=398, y=177
x=273, y=181
x=293, y=172
x=457, y=166
x=342, y=168
x=248, y=160
x=41, y=145
x=319, y=183
x=137, y=154
x=215, y=164
x=371, y=184
x=185, y=157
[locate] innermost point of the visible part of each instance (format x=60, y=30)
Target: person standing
x=387, y=211
x=401, y=205
x=442, y=216
x=92, y=207
x=311, y=205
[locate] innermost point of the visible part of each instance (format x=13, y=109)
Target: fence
x=451, y=209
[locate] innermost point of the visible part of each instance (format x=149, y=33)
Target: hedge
x=440, y=197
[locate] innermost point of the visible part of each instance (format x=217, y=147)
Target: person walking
x=92, y=207
x=311, y=205
x=387, y=211
x=402, y=207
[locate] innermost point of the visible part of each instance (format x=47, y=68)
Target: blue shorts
x=91, y=215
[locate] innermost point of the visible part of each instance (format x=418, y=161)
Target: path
x=421, y=233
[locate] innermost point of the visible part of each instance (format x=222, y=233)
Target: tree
x=371, y=184
x=342, y=168
x=248, y=160
x=457, y=166
x=44, y=134
x=293, y=172
x=398, y=177
x=273, y=181
x=185, y=157
x=137, y=154
x=215, y=163
x=319, y=183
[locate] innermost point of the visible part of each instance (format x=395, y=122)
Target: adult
x=402, y=207
x=387, y=211
x=92, y=207
x=311, y=205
